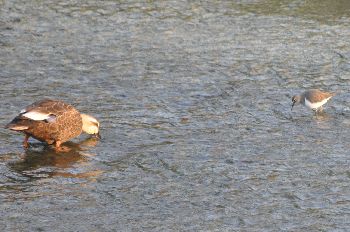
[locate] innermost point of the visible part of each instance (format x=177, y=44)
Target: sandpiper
x=313, y=99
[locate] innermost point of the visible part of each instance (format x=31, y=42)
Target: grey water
x=194, y=101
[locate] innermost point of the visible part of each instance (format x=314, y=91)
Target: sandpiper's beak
x=292, y=106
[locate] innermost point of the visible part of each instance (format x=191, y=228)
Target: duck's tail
x=16, y=125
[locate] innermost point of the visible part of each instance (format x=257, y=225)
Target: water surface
x=194, y=102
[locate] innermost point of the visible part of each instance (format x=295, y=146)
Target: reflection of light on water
x=90, y=142
x=85, y=175
x=88, y=155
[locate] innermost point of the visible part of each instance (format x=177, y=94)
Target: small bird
x=313, y=99
x=53, y=122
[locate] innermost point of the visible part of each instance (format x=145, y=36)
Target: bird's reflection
x=43, y=161
x=323, y=116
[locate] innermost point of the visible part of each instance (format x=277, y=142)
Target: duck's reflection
x=43, y=161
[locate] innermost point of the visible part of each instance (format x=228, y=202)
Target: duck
x=53, y=122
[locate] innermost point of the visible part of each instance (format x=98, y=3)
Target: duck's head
x=91, y=125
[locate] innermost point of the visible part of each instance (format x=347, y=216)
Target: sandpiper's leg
x=320, y=109
x=25, y=142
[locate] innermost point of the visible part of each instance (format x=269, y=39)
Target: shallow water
x=194, y=101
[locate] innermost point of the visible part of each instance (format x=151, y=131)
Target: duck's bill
x=98, y=135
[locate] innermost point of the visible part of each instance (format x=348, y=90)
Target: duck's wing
x=44, y=110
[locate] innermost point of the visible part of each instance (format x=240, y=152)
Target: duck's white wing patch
x=38, y=116
x=315, y=105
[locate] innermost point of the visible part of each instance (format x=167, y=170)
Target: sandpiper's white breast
x=316, y=105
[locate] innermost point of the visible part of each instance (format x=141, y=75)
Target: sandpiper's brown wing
x=315, y=95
